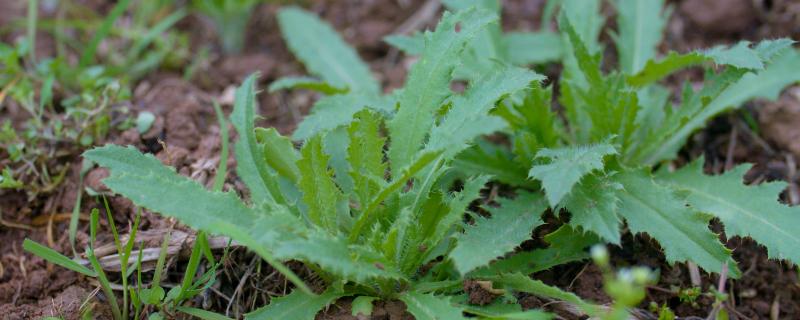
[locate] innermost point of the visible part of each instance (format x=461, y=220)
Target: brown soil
x=186, y=124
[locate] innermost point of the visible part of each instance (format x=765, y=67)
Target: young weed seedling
x=366, y=203
x=622, y=125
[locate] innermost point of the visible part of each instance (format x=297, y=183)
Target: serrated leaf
x=566, y=245
x=457, y=204
x=365, y=155
x=362, y=305
x=523, y=283
x=587, y=20
x=593, y=205
x=279, y=153
x=320, y=193
x=296, y=305
x=506, y=311
x=486, y=158
x=766, y=84
x=367, y=216
x=334, y=111
x=249, y=154
x=323, y=51
x=640, y=24
x=305, y=83
x=746, y=211
x=525, y=48
x=469, y=116
x=768, y=49
x=567, y=166
x=335, y=256
x=489, y=238
x=428, y=83
x=410, y=45
x=164, y=191
x=430, y=307
x=741, y=55
x=656, y=70
x=683, y=234
x=335, y=143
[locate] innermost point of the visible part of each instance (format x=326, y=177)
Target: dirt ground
x=30, y=288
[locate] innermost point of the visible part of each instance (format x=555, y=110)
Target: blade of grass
x=33, y=17
x=191, y=268
x=54, y=257
x=201, y=242
x=154, y=32
x=138, y=305
x=202, y=314
x=76, y=210
x=93, y=223
x=104, y=284
x=162, y=257
x=112, y=225
x=88, y=54
x=124, y=255
x=222, y=169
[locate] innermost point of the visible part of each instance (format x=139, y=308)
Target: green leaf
x=525, y=48
x=486, y=158
x=7, y=180
x=367, y=216
x=305, y=83
x=469, y=118
x=144, y=121
x=152, y=296
x=279, y=153
x=640, y=24
x=54, y=257
x=362, y=305
x=458, y=204
x=250, y=166
x=410, y=45
x=566, y=245
x=593, y=205
x=428, y=82
x=656, y=70
x=365, y=155
x=740, y=55
x=296, y=305
x=430, y=307
x=766, y=84
x=522, y=283
x=335, y=256
x=333, y=111
x=505, y=311
x=489, y=238
x=323, y=51
x=746, y=211
x=567, y=166
x=201, y=314
x=587, y=20
x=768, y=49
x=320, y=192
x=162, y=190
x=683, y=234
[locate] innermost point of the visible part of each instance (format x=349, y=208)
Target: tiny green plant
x=492, y=45
x=606, y=159
x=75, y=101
x=230, y=18
x=373, y=219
